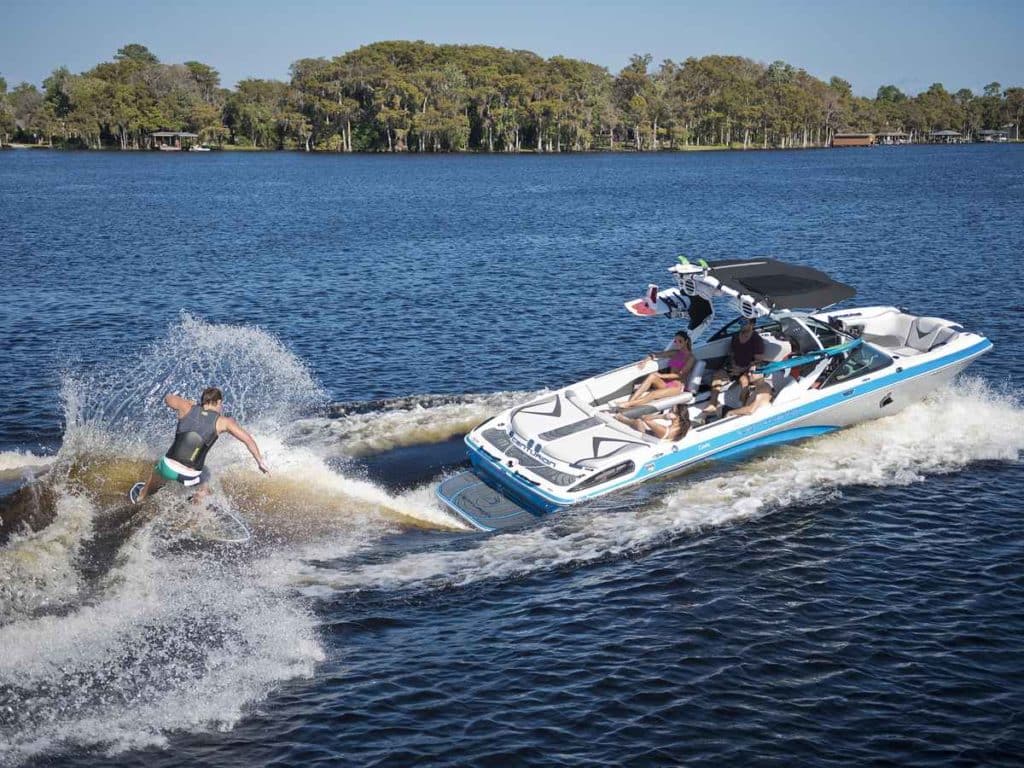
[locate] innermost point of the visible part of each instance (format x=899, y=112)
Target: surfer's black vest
x=197, y=431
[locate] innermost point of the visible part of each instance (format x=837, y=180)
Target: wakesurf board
x=212, y=521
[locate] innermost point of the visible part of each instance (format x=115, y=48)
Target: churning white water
x=964, y=423
x=115, y=634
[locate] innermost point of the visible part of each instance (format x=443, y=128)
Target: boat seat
x=595, y=446
x=581, y=394
x=657, y=406
x=926, y=333
x=892, y=343
x=549, y=412
x=907, y=335
x=774, y=349
x=889, y=329
x=579, y=402
x=696, y=376
x=693, y=381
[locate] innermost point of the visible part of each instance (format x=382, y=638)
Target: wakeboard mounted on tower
x=755, y=287
x=690, y=298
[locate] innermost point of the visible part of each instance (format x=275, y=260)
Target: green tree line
x=418, y=97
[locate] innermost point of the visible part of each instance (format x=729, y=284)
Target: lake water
x=855, y=599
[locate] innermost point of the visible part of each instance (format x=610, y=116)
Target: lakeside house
x=988, y=136
x=946, y=137
x=892, y=138
x=173, y=141
x=853, y=139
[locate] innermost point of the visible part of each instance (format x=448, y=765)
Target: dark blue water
x=854, y=600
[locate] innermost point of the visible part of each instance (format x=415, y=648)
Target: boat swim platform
x=480, y=505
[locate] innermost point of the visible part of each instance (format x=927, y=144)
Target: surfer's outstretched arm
x=236, y=431
x=178, y=404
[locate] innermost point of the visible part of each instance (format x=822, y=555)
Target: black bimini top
x=782, y=286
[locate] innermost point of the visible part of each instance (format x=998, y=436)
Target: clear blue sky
x=911, y=43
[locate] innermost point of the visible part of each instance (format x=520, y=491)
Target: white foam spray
x=15, y=463
x=37, y=570
x=120, y=407
x=169, y=637
x=176, y=641
x=400, y=423
x=959, y=425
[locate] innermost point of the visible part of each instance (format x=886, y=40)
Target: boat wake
x=16, y=464
x=120, y=625
x=955, y=427
x=359, y=429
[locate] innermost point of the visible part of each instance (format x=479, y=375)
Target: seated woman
x=671, y=382
x=669, y=426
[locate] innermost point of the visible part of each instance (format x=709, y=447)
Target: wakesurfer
x=199, y=426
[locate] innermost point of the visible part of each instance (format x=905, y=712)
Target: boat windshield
x=827, y=335
x=861, y=361
x=804, y=335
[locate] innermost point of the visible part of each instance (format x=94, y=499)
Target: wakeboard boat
x=822, y=370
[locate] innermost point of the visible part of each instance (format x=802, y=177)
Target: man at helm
x=199, y=426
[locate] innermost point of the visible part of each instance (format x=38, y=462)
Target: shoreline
x=232, y=149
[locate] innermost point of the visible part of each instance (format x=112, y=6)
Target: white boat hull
x=541, y=456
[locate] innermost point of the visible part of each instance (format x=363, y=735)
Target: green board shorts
x=168, y=472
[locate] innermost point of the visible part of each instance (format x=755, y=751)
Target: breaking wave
x=119, y=625
x=359, y=429
x=121, y=407
x=16, y=464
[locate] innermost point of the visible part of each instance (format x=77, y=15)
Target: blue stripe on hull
x=788, y=436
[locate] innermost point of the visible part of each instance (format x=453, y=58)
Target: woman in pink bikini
x=670, y=382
